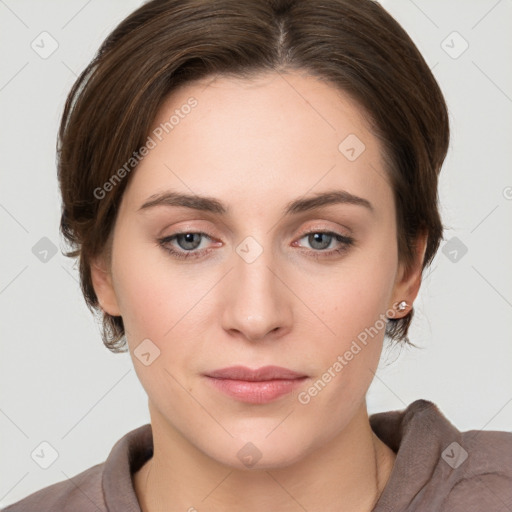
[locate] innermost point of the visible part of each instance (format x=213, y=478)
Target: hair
x=355, y=45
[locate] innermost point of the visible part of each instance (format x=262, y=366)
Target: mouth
x=258, y=386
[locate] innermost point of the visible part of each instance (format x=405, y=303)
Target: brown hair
x=353, y=44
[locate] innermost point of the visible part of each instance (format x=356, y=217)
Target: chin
x=248, y=459
x=257, y=450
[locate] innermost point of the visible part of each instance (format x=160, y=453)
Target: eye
x=322, y=240
x=188, y=244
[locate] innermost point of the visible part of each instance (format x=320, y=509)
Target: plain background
x=58, y=382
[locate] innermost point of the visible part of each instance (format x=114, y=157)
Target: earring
x=402, y=305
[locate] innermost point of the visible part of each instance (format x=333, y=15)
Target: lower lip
x=260, y=392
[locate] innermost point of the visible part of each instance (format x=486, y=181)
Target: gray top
x=437, y=469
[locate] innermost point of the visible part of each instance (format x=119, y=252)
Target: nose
x=258, y=304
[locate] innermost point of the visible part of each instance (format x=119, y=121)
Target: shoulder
x=485, y=458
x=82, y=492
x=440, y=468
x=103, y=487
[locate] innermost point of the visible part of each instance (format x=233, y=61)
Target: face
x=267, y=274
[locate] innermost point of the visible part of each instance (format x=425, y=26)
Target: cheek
x=357, y=293
x=166, y=303
x=156, y=302
x=152, y=293
x=353, y=305
x=141, y=299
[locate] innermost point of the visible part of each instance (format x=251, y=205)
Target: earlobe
x=101, y=278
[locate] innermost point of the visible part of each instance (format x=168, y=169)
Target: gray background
x=61, y=386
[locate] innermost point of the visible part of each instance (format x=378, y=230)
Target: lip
x=258, y=386
x=257, y=375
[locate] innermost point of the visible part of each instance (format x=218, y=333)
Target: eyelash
x=316, y=254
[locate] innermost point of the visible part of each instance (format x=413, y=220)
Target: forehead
x=275, y=136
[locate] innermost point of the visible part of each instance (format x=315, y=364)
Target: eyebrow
x=212, y=205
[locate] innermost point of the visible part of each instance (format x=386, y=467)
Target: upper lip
x=258, y=374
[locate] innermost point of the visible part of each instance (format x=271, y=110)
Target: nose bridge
x=257, y=303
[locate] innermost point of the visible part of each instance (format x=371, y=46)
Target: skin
x=256, y=145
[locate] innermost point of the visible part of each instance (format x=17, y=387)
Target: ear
x=101, y=277
x=408, y=280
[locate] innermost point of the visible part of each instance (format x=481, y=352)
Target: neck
x=347, y=473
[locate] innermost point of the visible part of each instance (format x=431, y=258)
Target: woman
x=251, y=188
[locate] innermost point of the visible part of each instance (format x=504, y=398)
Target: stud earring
x=402, y=305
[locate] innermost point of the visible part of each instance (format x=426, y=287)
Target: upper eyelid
x=310, y=227
x=311, y=224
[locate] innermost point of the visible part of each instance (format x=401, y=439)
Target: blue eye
x=188, y=243
x=321, y=240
